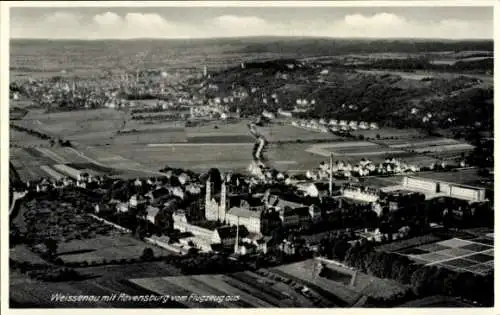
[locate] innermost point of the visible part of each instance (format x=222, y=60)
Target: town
x=305, y=182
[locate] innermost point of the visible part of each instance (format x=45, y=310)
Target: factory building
x=434, y=188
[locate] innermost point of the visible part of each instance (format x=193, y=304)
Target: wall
x=465, y=193
x=252, y=224
x=420, y=184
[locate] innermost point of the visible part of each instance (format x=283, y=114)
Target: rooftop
x=244, y=213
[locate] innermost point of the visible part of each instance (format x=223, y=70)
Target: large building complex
x=434, y=188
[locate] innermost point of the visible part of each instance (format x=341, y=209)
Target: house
x=158, y=193
x=122, y=207
x=83, y=176
x=137, y=200
x=226, y=235
x=251, y=219
x=285, y=113
x=176, y=191
x=58, y=184
x=102, y=208
x=246, y=249
x=151, y=213
x=293, y=214
x=202, y=237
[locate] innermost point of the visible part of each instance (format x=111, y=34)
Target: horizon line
x=255, y=36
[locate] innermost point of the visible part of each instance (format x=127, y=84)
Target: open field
x=460, y=147
x=407, y=134
x=24, y=139
x=253, y=290
x=429, y=142
x=21, y=253
x=28, y=165
x=105, y=248
x=157, y=125
x=421, y=74
x=355, y=150
x=39, y=294
x=272, y=132
x=202, y=156
x=145, y=137
x=103, y=156
x=359, y=148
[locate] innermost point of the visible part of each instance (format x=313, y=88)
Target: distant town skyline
x=216, y=22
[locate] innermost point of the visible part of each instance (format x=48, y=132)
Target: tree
x=420, y=281
x=340, y=249
x=215, y=178
x=147, y=254
x=51, y=245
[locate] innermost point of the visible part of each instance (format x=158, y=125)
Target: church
x=215, y=210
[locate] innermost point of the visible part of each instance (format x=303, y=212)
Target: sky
x=210, y=22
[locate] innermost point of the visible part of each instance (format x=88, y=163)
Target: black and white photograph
x=202, y=155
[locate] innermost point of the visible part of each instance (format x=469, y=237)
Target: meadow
x=104, y=249
x=255, y=289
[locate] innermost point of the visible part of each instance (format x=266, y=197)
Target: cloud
x=108, y=18
x=377, y=20
x=387, y=25
x=63, y=24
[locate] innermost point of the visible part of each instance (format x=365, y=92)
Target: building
x=293, y=214
x=137, y=201
x=202, y=237
x=284, y=113
x=122, y=207
x=365, y=194
x=226, y=235
x=214, y=210
x=434, y=188
x=151, y=213
x=252, y=219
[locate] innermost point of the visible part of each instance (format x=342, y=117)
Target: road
x=17, y=197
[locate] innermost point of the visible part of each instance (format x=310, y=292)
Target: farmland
x=27, y=165
x=473, y=255
x=110, y=138
x=352, y=149
x=274, y=132
x=262, y=288
x=389, y=133
x=226, y=156
x=101, y=249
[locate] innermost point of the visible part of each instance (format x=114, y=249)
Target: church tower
x=210, y=204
